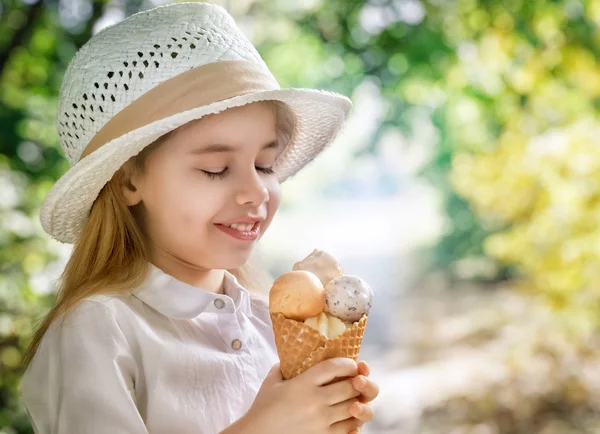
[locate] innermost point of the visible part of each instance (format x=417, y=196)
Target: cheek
x=179, y=205
x=274, y=200
x=273, y=204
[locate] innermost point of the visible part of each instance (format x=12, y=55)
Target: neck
x=210, y=280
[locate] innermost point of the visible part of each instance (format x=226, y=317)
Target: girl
x=179, y=137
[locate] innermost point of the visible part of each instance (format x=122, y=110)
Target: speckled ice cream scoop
x=348, y=297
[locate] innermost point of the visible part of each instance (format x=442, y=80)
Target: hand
x=369, y=391
x=310, y=403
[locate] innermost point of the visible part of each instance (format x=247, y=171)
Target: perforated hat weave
x=125, y=62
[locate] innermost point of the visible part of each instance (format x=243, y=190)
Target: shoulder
x=96, y=321
x=92, y=321
x=90, y=328
x=82, y=349
x=96, y=310
x=115, y=305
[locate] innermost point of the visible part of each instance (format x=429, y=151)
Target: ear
x=130, y=186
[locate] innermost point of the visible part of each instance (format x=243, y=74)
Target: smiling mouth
x=244, y=232
x=242, y=227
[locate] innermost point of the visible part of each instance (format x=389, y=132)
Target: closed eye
x=266, y=170
x=216, y=175
x=222, y=173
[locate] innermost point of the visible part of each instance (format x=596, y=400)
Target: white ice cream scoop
x=348, y=297
x=322, y=264
x=328, y=325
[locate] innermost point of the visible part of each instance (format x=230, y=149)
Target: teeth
x=242, y=227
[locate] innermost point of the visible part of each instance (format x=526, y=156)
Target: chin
x=234, y=259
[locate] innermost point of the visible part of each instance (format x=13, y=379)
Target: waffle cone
x=300, y=346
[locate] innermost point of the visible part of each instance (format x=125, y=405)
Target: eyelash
x=221, y=174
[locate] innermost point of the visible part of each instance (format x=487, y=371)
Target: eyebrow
x=226, y=148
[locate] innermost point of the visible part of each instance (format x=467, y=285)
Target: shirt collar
x=179, y=300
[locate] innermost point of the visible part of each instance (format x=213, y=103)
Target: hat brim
x=319, y=115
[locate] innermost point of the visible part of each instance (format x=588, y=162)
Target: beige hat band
x=194, y=88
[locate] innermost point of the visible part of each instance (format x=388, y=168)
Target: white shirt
x=168, y=358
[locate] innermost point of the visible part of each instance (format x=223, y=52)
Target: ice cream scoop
x=328, y=325
x=298, y=295
x=322, y=264
x=348, y=297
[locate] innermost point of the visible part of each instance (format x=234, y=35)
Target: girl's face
x=210, y=173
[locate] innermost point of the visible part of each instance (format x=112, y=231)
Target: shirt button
x=236, y=344
x=219, y=303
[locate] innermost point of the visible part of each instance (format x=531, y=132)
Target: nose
x=252, y=190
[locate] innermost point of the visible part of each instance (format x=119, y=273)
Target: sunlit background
x=465, y=189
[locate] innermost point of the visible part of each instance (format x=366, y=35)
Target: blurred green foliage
x=492, y=77
x=530, y=80
x=34, y=49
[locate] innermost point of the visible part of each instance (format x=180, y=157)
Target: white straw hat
x=194, y=60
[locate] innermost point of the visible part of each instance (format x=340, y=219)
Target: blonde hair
x=111, y=254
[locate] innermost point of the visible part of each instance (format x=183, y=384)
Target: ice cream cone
x=300, y=346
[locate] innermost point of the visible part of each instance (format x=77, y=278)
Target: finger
x=345, y=426
x=364, y=368
x=340, y=411
x=327, y=370
x=339, y=392
x=368, y=388
x=362, y=412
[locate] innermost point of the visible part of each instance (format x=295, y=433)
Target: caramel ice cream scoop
x=298, y=295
